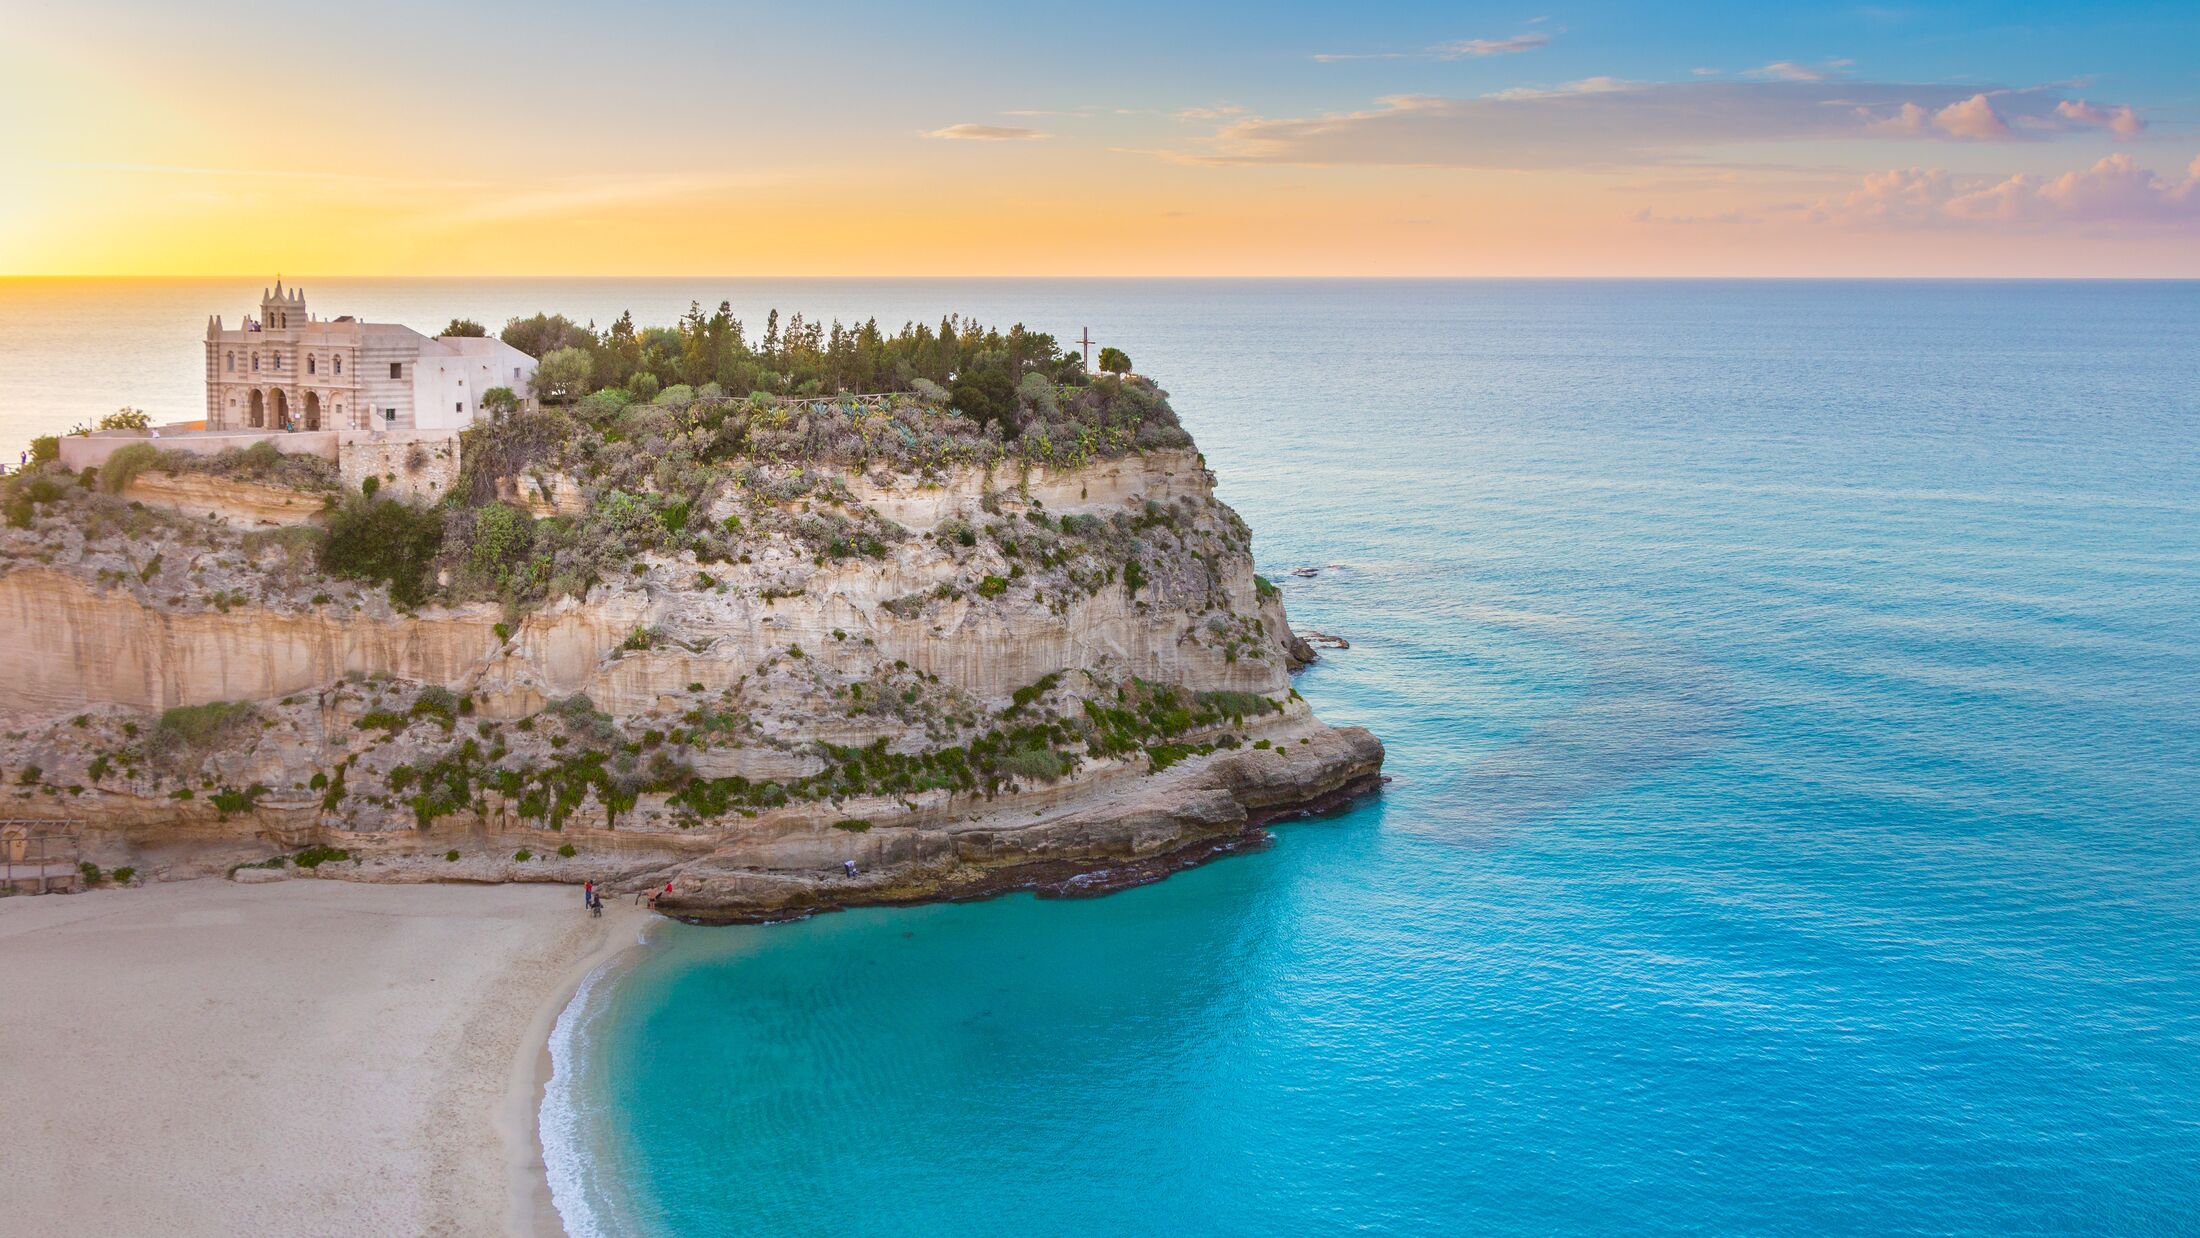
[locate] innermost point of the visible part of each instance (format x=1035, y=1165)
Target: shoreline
x=338, y=1053
x=530, y=1208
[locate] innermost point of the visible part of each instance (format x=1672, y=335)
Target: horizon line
x=1423, y=279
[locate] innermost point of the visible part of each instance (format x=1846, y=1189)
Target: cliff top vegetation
x=688, y=442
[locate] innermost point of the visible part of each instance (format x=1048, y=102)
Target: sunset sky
x=408, y=138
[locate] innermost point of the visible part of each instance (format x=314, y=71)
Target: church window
x=312, y=365
x=231, y=360
x=255, y=362
x=339, y=363
x=397, y=369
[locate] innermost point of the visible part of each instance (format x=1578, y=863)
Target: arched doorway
x=313, y=410
x=281, y=408
x=258, y=414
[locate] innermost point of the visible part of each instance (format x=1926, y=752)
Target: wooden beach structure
x=39, y=856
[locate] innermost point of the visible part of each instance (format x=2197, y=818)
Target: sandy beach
x=297, y=1057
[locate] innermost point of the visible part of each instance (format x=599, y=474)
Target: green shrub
x=384, y=541
x=854, y=825
x=230, y=800
x=203, y=727
x=125, y=874
x=90, y=872
x=440, y=704
x=318, y=854
x=451, y=855
x=992, y=586
x=523, y=855
x=125, y=464
x=568, y=851
x=1033, y=764
x=500, y=541
x=259, y=460
x=369, y=484
x=45, y=449
x=1030, y=692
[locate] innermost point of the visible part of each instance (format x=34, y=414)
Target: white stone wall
x=449, y=383
x=415, y=464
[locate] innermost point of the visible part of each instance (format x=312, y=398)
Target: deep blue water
x=1790, y=691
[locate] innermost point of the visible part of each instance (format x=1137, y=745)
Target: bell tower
x=280, y=310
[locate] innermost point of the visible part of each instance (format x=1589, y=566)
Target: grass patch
x=317, y=855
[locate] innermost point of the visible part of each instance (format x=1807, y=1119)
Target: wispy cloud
x=1791, y=71
x=1457, y=49
x=2116, y=191
x=1606, y=122
x=1725, y=219
x=1463, y=48
x=986, y=133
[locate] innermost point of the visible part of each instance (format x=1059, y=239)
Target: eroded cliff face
x=967, y=706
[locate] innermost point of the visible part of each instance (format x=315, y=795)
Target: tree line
x=795, y=356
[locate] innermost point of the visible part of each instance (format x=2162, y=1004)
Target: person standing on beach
x=588, y=894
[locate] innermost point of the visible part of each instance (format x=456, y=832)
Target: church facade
x=287, y=370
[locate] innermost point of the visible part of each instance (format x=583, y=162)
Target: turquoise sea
x=1791, y=695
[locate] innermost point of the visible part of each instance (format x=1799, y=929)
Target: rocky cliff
x=961, y=678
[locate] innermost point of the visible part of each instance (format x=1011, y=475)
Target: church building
x=287, y=370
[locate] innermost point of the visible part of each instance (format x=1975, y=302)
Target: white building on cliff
x=287, y=370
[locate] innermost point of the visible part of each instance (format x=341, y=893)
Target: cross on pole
x=1086, y=340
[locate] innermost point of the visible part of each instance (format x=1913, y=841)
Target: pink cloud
x=1457, y=49
x=2113, y=192
x=2121, y=121
x=1974, y=118
x=1907, y=121
x=1790, y=71
x=985, y=133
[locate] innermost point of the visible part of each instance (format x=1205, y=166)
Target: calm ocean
x=1790, y=691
